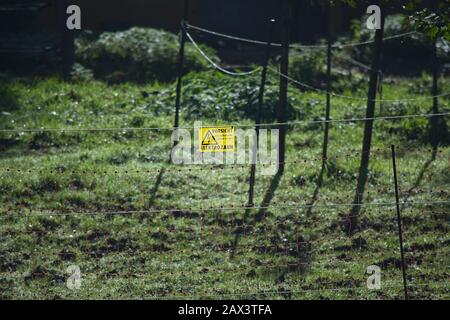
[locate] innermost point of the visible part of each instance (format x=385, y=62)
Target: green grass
x=139, y=227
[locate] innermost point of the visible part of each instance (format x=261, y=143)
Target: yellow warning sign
x=216, y=139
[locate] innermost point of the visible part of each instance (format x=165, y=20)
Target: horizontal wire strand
x=222, y=208
x=293, y=123
x=296, y=46
x=215, y=65
x=307, y=86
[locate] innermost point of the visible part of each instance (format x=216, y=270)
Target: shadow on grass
x=319, y=185
x=304, y=259
x=274, y=184
x=301, y=253
x=155, y=188
x=422, y=172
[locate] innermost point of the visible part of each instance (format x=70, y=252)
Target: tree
x=433, y=20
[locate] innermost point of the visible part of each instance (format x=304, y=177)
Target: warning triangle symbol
x=209, y=139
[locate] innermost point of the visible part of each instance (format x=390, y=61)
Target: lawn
x=109, y=201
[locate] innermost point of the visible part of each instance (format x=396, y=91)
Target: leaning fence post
x=368, y=129
x=181, y=65
x=259, y=115
x=399, y=222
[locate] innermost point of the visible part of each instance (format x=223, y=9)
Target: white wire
x=336, y=45
x=216, y=66
x=299, y=82
x=427, y=115
x=353, y=61
x=209, y=209
x=355, y=44
x=351, y=97
x=223, y=35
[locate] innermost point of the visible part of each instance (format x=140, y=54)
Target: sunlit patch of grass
x=100, y=200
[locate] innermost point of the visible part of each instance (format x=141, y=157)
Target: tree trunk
x=367, y=140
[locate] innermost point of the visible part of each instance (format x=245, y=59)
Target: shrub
x=137, y=54
x=414, y=129
x=213, y=95
x=308, y=67
x=406, y=55
x=80, y=73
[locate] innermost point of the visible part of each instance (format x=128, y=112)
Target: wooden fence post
x=259, y=116
x=284, y=69
x=368, y=127
x=181, y=64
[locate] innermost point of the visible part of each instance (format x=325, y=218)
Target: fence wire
x=298, y=46
x=128, y=227
x=279, y=249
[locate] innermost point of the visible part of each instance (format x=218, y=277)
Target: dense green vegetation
x=137, y=54
x=139, y=227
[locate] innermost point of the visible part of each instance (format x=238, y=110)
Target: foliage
x=213, y=95
x=80, y=73
x=309, y=67
x=8, y=96
x=435, y=21
x=137, y=54
x=404, y=55
x=104, y=200
x=151, y=253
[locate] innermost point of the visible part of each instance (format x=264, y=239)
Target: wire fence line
x=297, y=46
x=277, y=72
x=352, y=97
x=268, y=125
x=307, y=86
x=167, y=244
x=216, y=66
x=346, y=154
x=291, y=254
x=404, y=204
x=354, y=62
x=292, y=259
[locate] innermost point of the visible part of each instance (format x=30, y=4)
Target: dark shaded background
x=246, y=18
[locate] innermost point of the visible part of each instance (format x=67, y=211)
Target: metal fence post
x=399, y=222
